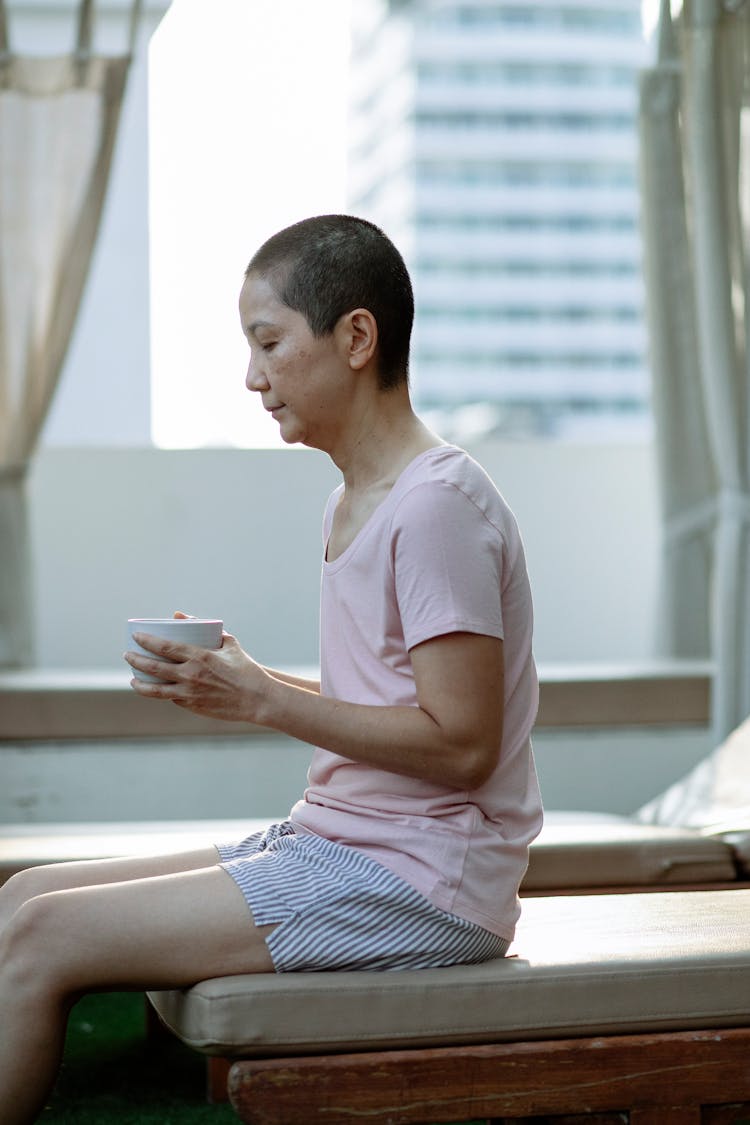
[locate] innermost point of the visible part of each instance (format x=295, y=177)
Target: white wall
x=141, y=533
x=236, y=534
x=171, y=779
x=589, y=515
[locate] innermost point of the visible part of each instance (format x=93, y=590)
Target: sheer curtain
x=694, y=144
x=684, y=460
x=58, y=124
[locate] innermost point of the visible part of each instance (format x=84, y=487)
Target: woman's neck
x=384, y=443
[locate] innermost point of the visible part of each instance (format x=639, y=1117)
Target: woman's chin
x=289, y=435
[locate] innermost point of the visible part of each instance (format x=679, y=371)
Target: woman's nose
x=255, y=380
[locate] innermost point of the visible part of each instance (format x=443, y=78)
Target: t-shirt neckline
x=384, y=505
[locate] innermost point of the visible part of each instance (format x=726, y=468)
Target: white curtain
x=58, y=124
x=694, y=144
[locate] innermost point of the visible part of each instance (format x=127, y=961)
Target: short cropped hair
x=325, y=267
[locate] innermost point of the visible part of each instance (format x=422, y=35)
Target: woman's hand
x=224, y=683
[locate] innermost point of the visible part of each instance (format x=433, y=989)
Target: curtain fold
x=685, y=469
x=58, y=125
x=716, y=62
x=695, y=171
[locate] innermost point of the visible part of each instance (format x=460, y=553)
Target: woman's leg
x=163, y=931
x=86, y=873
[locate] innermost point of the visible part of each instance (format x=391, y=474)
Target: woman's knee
x=19, y=946
x=30, y=948
x=22, y=887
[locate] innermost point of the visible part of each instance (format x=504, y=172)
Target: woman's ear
x=361, y=337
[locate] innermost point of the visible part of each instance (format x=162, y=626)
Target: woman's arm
x=295, y=681
x=451, y=738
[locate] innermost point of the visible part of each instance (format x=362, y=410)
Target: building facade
x=496, y=141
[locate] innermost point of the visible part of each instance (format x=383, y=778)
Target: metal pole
x=135, y=15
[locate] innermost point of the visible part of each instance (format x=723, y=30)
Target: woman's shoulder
x=447, y=475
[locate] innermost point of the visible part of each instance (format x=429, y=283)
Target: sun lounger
x=616, y=1004
x=574, y=853
x=584, y=852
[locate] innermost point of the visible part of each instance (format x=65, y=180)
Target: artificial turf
x=112, y=1076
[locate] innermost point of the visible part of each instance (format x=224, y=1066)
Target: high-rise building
x=496, y=141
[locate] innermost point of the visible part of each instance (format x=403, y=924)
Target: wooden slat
x=217, y=1075
x=620, y=1118
x=725, y=1115
x=516, y=1080
x=666, y=1115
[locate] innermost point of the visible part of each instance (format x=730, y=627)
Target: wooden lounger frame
x=666, y=1078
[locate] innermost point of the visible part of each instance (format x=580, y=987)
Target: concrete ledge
x=56, y=705
x=49, y=705
x=659, y=694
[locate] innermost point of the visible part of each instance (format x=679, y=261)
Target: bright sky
x=247, y=134
x=650, y=13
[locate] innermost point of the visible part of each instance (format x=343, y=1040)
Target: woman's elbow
x=477, y=765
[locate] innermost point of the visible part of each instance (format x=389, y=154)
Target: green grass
x=112, y=1076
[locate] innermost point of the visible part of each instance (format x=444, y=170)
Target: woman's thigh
x=162, y=931
x=85, y=873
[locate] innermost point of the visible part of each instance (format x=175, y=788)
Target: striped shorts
x=337, y=909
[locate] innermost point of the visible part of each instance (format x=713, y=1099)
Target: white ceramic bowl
x=198, y=631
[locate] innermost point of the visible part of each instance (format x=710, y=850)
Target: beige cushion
x=582, y=965
x=735, y=833
x=26, y=845
x=621, y=853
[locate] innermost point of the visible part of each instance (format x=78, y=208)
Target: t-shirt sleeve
x=447, y=559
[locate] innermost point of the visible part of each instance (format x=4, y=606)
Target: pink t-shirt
x=441, y=554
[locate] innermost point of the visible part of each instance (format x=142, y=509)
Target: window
x=519, y=189
x=247, y=134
